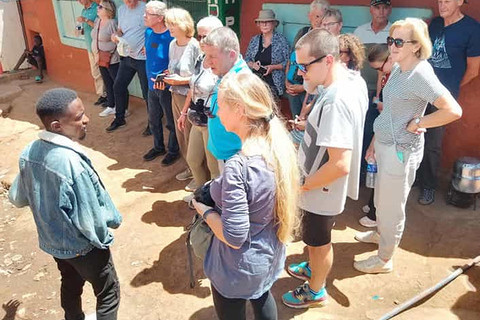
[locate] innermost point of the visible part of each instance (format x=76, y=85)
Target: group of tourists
x=368, y=95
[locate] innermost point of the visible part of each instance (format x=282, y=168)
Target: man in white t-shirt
x=329, y=157
x=376, y=31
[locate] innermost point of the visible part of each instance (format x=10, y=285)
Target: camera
x=202, y=195
x=196, y=113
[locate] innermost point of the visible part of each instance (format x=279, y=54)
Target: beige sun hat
x=266, y=15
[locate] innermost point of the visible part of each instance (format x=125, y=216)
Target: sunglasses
x=383, y=65
x=201, y=37
x=103, y=7
x=399, y=43
x=303, y=66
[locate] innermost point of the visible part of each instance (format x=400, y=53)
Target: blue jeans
x=127, y=70
x=160, y=103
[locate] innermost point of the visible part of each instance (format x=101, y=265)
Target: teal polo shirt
x=221, y=143
x=89, y=13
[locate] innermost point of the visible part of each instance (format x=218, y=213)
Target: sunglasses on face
x=200, y=37
x=399, y=43
x=103, y=7
x=303, y=66
x=383, y=65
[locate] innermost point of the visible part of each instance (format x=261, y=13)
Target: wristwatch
x=417, y=122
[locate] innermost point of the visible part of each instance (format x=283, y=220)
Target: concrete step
x=9, y=92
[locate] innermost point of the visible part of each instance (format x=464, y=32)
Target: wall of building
x=461, y=138
x=66, y=65
x=12, y=43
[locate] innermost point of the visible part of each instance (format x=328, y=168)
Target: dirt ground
x=150, y=254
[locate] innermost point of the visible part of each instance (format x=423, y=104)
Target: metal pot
x=466, y=175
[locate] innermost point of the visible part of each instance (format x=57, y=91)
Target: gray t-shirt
x=104, y=41
x=405, y=97
x=182, y=62
x=336, y=121
x=130, y=21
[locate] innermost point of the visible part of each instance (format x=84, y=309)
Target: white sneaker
x=92, y=316
x=188, y=198
x=191, y=187
x=368, y=237
x=366, y=209
x=184, y=175
x=367, y=222
x=107, y=112
x=374, y=265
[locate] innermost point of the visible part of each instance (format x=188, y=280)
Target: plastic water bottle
x=371, y=173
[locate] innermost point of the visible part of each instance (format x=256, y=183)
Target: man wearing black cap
x=456, y=61
x=376, y=31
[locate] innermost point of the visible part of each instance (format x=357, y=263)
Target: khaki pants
x=178, y=101
x=392, y=185
x=97, y=77
x=202, y=163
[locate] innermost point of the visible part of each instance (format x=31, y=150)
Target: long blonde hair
x=268, y=137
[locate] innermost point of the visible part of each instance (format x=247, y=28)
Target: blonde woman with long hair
x=256, y=202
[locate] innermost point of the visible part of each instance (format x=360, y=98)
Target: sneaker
x=300, y=271
x=374, y=265
x=147, y=132
x=303, y=297
x=170, y=159
x=426, y=197
x=188, y=198
x=191, y=187
x=368, y=237
x=366, y=209
x=184, y=175
x=38, y=79
x=92, y=316
x=153, y=153
x=115, y=125
x=127, y=113
x=367, y=222
x=100, y=101
x=107, y=112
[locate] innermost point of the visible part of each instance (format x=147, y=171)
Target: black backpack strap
x=190, y=260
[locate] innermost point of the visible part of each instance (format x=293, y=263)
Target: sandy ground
x=150, y=255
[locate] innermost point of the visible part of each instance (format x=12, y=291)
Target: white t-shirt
x=366, y=35
x=336, y=121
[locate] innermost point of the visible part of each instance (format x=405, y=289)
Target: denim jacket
x=71, y=208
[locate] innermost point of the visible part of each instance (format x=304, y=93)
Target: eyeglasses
x=103, y=7
x=328, y=25
x=151, y=14
x=200, y=37
x=383, y=65
x=398, y=42
x=303, y=66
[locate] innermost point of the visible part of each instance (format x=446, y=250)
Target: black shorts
x=317, y=229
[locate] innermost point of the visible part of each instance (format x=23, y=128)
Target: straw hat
x=266, y=15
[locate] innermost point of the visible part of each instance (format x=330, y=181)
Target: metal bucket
x=466, y=175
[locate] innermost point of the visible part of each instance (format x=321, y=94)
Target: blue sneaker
x=300, y=271
x=303, y=297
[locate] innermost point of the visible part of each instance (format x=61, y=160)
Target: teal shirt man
x=90, y=14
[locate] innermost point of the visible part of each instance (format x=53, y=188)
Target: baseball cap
x=377, y=2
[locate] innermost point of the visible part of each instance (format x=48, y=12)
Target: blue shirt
x=156, y=48
x=130, y=21
x=245, y=195
x=89, y=13
x=221, y=143
x=452, y=45
x=71, y=208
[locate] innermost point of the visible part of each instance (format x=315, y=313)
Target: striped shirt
x=405, y=97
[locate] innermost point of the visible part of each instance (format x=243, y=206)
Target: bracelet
x=207, y=212
x=183, y=113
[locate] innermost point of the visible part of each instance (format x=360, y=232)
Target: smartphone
x=160, y=77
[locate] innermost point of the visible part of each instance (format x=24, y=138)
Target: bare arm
x=448, y=111
x=337, y=166
x=473, y=68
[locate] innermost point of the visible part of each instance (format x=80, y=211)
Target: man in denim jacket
x=71, y=208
